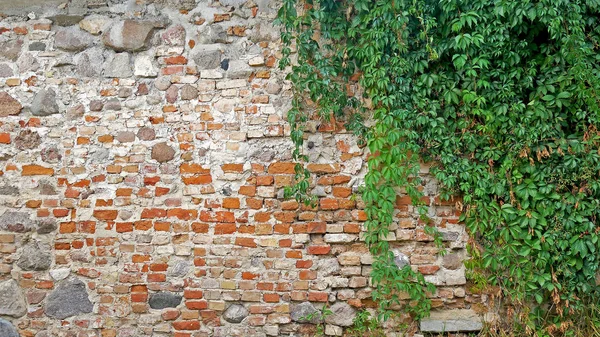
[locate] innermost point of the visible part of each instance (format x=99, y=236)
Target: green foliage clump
x=502, y=96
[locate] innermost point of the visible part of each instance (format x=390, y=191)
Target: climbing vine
x=501, y=96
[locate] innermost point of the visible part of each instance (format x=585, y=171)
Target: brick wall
x=144, y=152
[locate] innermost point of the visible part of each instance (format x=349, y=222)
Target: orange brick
x=179, y=59
x=233, y=168
x=247, y=190
x=35, y=170
x=150, y=213
x=4, y=138
x=231, y=203
x=271, y=298
x=105, y=214
x=245, y=242
x=282, y=168
x=225, y=228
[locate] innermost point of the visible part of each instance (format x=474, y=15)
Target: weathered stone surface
x=145, y=133
x=35, y=255
x=172, y=93
x=162, y=83
x=47, y=225
x=51, y=154
x=89, y=62
x=162, y=152
x=6, y=70
x=235, y=313
x=342, y=314
x=118, y=66
x=239, y=69
x=66, y=20
x=189, y=92
x=113, y=104
x=72, y=39
x=144, y=66
x=164, y=299
x=207, y=57
x=212, y=34
x=69, y=298
x=27, y=140
x=126, y=136
x=94, y=24
x=27, y=62
x=301, y=312
x=452, y=261
x=37, y=46
x=75, y=112
x=174, y=36
x=16, y=222
x=129, y=35
x=12, y=301
x=7, y=329
x=8, y=105
x=400, y=259
x=96, y=105
x=455, y=320
x=60, y=274
x=11, y=49
x=44, y=103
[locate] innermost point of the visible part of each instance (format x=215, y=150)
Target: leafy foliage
x=502, y=96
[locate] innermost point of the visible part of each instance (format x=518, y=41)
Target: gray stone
x=126, y=136
x=455, y=320
x=162, y=83
x=27, y=62
x=66, y=20
x=264, y=31
x=9, y=190
x=189, y=92
x=301, y=312
x=144, y=66
x=174, y=36
x=238, y=69
x=7, y=329
x=75, y=112
x=46, y=225
x=273, y=88
x=12, y=301
x=99, y=156
x=6, y=70
x=208, y=34
x=177, y=4
x=37, y=46
x=16, y=222
x=118, y=66
x=44, y=103
x=328, y=267
x=449, y=236
x=113, y=104
x=11, y=49
x=207, y=57
x=400, y=259
x=145, y=133
x=125, y=92
x=235, y=313
x=96, y=105
x=25, y=6
x=89, y=62
x=68, y=299
x=342, y=314
x=162, y=152
x=27, y=140
x=72, y=39
x=8, y=105
x=452, y=261
x=36, y=255
x=164, y=299
x=129, y=35
x=179, y=269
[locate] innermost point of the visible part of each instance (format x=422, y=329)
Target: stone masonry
x=144, y=152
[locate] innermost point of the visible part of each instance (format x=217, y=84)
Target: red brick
x=225, y=228
x=196, y=305
x=271, y=298
x=151, y=213
x=247, y=190
x=329, y=204
x=317, y=227
x=319, y=250
x=183, y=214
x=231, y=203
x=4, y=138
x=192, y=294
x=315, y=296
x=303, y=264
x=186, y=325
